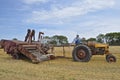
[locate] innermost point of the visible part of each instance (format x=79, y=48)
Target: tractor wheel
x=81, y=53
x=16, y=56
x=110, y=58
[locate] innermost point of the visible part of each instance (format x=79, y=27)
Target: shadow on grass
x=61, y=57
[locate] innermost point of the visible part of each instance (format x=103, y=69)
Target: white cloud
x=85, y=29
x=77, y=8
x=89, y=27
x=94, y=27
x=34, y=1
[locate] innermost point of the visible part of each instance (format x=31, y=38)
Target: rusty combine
x=33, y=50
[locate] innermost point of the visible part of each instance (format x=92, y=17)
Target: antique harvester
x=33, y=50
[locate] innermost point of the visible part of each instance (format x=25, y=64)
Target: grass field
x=60, y=68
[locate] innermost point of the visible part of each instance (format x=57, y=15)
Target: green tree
x=113, y=38
x=91, y=39
x=100, y=38
x=57, y=39
x=47, y=37
x=61, y=39
x=14, y=39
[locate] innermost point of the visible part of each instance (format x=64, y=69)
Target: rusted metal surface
x=34, y=51
x=27, y=54
x=30, y=48
x=40, y=37
x=30, y=36
x=8, y=46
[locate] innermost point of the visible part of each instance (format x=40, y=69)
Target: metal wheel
x=15, y=56
x=110, y=58
x=81, y=53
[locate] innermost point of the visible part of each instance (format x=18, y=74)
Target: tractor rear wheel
x=81, y=53
x=110, y=58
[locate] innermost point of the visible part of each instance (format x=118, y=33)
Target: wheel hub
x=81, y=54
x=112, y=60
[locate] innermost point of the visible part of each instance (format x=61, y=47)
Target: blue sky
x=88, y=18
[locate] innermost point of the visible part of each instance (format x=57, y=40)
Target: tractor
x=83, y=52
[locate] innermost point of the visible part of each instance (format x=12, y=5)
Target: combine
x=33, y=50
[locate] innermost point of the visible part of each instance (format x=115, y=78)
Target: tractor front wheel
x=110, y=58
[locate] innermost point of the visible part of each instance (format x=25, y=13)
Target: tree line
x=112, y=38
x=109, y=38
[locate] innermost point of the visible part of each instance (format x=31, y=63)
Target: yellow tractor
x=84, y=52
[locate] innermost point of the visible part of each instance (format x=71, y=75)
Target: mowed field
x=61, y=68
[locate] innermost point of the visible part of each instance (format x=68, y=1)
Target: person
x=77, y=40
